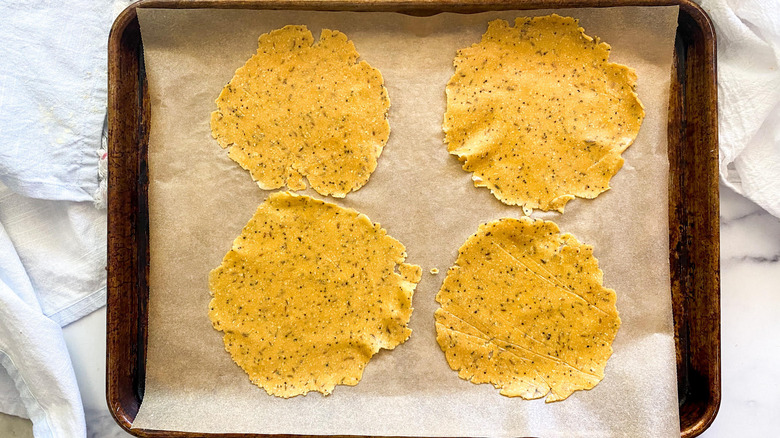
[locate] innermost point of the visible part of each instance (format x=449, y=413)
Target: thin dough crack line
x=522, y=359
x=492, y=339
x=559, y=286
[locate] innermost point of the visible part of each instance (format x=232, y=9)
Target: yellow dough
x=309, y=293
x=524, y=308
x=298, y=109
x=539, y=114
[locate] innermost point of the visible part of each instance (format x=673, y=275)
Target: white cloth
x=52, y=96
x=748, y=35
x=62, y=247
x=31, y=353
x=52, y=272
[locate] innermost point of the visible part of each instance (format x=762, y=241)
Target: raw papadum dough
x=302, y=109
x=309, y=293
x=539, y=114
x=524, y=309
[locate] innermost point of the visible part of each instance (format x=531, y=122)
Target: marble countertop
x=750, y=303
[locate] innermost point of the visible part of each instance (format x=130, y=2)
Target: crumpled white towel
x=40, y=373
x=52, y=272
x=748, y=34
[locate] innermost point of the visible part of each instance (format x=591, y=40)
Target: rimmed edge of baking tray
x=693, y=196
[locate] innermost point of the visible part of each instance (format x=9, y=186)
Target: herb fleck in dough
x=524, y=308
x=309, y=293
x=539, y=114
x=302, y=109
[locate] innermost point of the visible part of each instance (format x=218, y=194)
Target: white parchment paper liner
x=199, y=201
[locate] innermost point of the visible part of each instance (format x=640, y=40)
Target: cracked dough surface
x=303, y=109
x=308, y=293
x=539, y=114
x=524, y=309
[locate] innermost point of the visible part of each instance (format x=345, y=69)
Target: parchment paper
x=199, y=201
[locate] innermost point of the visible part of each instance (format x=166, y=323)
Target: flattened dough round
x=539, y=114
x=303, y=109
x=524, y=308
x=308, y=294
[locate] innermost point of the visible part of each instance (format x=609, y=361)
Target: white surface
x=750, y=303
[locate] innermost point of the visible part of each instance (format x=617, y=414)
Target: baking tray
x=693, y=196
